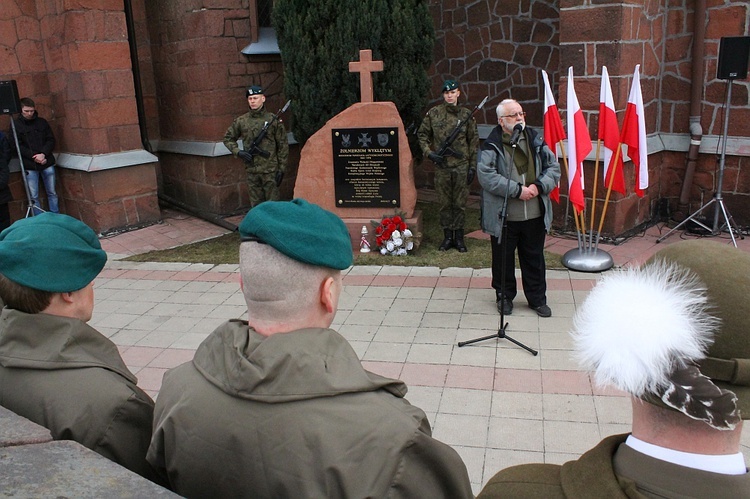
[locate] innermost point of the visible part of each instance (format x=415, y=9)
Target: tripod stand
x=30, y=206
x=503, y=216
x=718, y=199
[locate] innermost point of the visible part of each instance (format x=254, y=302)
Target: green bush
x=318, y=40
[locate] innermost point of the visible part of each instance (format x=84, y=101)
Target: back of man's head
x=288, y=249
x=46, y=254
x=667, y=333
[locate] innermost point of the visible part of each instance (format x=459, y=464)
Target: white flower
x=383, y=251
x=401, y=252
x=409, y=246
x=389, y=245
x=398, y=241
x=396, y=235
x=407, y=233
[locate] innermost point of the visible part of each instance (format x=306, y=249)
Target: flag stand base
x=588, y=260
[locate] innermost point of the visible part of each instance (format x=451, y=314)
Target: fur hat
x=647, y=332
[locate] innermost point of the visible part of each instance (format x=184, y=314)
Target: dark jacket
x=294, y=415
x=35, y=136
x=613, y=470
x=247, y=127
x=64, y=375
x=5, y=196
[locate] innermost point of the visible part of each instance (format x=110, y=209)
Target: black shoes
x=504, y=306
x=542, y=310
x=447, y=241
x=458, y=238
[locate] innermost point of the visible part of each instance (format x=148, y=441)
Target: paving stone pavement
x=494, y=402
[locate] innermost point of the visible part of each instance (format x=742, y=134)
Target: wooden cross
x=365, y=67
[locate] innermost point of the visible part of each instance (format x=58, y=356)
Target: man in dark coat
x=36, y=140
x=55, y=369
x=674, y=336
x=280, y=405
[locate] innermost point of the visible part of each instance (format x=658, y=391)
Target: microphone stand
x=30, y=206
x=503, y=216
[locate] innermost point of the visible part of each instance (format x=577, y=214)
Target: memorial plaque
x=365, y=167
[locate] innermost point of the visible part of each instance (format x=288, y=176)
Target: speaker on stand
x=10, y=104
x=734, y=52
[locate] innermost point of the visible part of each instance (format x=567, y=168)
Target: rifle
x=254, y=148
x=445, y=147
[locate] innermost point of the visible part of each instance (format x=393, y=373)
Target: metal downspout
x=696, y=101
x=132, y=43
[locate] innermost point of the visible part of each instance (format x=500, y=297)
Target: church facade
x=139, y=93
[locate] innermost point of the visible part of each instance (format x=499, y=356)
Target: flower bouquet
x=392, y=236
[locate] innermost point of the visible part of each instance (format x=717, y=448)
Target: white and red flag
x=579, y=146
x=634, y=133
x=609, y=134
x=554, y=133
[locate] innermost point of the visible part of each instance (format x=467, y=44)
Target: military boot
x=448, y=241
x=458, y=238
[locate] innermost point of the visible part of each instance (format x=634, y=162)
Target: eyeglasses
x=515, y=115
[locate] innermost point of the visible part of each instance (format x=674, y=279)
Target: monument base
x=354, y=225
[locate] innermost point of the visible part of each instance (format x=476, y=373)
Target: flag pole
x=609, y=191
x=593, y=195
x=567, y=175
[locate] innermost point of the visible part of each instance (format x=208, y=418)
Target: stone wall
x=73, y=59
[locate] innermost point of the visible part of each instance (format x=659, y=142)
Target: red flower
x=402, y=226
x=379, y=241
x=397, y=219
x=379, y=230
x=386, y=221
x=392, y=227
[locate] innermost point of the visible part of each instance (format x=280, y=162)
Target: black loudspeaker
x=734, y=52
x=9, y=103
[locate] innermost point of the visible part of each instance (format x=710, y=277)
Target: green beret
x=725, y=271
x=254, y=90
x=300, y=230
x=51, y=252
x=450, y=85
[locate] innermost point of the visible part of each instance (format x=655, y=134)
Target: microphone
x=516, y=134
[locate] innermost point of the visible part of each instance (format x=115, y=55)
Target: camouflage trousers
x=452, y=193
x=262, y=187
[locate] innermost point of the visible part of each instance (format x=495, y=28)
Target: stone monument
x=359, y=165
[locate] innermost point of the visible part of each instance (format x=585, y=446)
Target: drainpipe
x=696, y=101
x=136, y=75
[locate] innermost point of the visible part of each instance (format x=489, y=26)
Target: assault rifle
x=254, y=148
x=445, y=147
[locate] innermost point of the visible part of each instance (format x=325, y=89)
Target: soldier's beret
x=51, y=252
x=449, y=85
x=254, y=90
x=300, y=230
x=725, y=271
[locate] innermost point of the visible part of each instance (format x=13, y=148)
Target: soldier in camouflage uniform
x=453, y=174
x=264, y=175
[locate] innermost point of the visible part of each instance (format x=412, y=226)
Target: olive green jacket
x=613, y=470
x=64, y=375
x=439, y=123
x=247, y=127
x=294, y=415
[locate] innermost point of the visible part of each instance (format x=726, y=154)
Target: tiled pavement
x=493, y=401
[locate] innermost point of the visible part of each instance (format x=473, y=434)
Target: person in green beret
x=56, y=370
x=453, y=173
x=279, y=405
x=673, y=335
x=264, y=173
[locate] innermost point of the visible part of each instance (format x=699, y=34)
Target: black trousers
x=528, y=238
x=4, y=216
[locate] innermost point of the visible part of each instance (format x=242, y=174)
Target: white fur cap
x=637, y=326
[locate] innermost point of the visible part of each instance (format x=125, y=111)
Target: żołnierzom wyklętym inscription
x=365, y=167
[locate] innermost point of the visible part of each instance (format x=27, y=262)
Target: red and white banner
x=609, y=134
x=634, y=133
x=554, y=133
x=579, y=146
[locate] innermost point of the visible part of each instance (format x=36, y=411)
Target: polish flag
x=634, y=133
x=579, y=146
x=609, y=134
x=554, y=133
